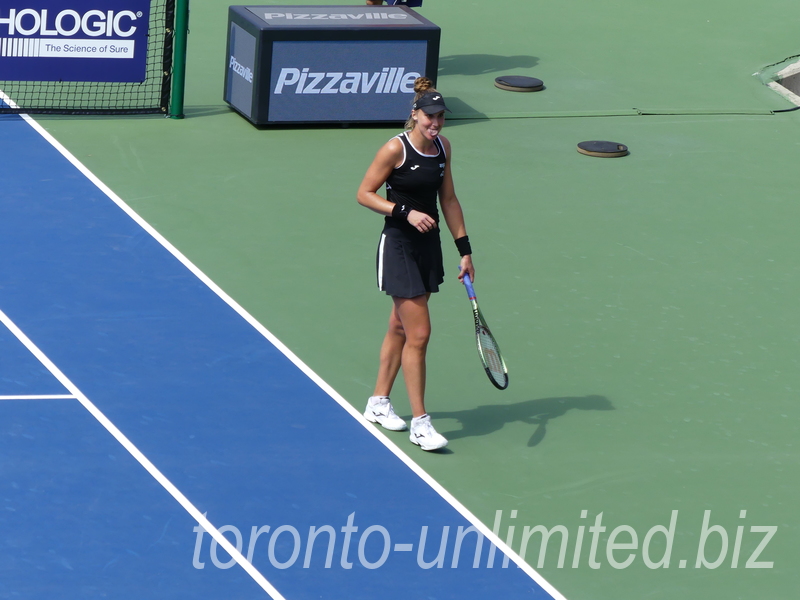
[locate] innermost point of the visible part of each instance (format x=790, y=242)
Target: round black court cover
x=518, y=83
x=603, y=149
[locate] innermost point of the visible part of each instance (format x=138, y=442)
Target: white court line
x=785, y=92
x=142, y=459
x=788, y=71
x=419, y=471
x=39, y=397
x=8, y=100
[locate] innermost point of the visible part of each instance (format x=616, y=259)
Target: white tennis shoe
x=424, y=435
x=379, y=410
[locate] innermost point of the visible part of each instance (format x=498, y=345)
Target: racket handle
x=468, y=284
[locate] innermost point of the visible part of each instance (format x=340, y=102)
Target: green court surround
x=646, y=305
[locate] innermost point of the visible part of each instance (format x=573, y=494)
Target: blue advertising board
x=74, y=40
x=326, y=64
x=359, y=80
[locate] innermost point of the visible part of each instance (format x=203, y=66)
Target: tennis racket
x=488, y=349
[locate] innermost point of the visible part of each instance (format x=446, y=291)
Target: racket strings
x=491, y=355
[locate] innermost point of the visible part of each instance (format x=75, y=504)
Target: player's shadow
x=490, y=418
x=480, y=64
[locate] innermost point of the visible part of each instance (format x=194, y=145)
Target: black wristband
x=400, y=212
x=463, y=246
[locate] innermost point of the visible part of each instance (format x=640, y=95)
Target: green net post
x=179, y=59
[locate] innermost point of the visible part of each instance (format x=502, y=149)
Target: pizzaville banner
x=73, y=40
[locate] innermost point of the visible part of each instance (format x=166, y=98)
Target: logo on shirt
x=415, y=167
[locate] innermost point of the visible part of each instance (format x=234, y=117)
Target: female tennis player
x=415, y=166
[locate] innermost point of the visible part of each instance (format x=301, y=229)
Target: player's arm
x=451, y=209
x=388, y=157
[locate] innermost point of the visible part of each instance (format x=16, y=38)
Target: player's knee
x=395, y=325
x=419, y=336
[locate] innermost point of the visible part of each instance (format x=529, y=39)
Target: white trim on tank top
x=439, y=145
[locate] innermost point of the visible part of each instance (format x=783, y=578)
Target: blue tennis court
x=157, y=442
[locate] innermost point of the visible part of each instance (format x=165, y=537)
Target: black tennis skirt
x=409, y=265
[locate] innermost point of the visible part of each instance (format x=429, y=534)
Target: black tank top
x=416, y=182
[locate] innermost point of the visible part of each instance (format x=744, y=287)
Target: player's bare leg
x=416, y=323
x=391, y=354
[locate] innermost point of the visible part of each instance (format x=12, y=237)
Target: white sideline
x=39, y=397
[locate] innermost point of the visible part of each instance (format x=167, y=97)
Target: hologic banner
x=74, y=40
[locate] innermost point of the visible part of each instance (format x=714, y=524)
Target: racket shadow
x=488, y=419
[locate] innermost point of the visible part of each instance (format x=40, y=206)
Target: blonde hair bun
x=422, y=85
